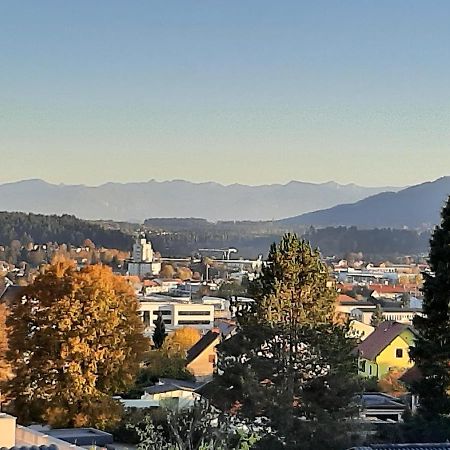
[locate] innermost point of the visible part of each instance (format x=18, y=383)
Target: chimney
x=7, y=430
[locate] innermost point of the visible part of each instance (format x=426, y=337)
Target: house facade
x=385, y=349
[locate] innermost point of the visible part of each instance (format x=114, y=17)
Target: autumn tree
x=76, y=339
x=5, y=370
x=289, y=361
x=184, y=273
x=181, y=340
x=431, y=352
x=167, y=271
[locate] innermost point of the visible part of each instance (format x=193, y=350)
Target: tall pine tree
x=289, y=361
x=431, y=352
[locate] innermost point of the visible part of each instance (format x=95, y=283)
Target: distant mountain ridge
x=179, y=198
x=414, y=207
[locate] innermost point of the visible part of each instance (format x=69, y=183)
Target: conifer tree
x=377, y=316
x=159, y=334
x=431, y=352
x=76, y=339
x=289, y=361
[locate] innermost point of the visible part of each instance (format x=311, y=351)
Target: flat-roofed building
x=176, y=314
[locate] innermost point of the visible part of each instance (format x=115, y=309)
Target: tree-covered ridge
x=38, y=228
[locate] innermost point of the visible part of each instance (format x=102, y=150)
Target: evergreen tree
x=431, y=352
x=377, y=316
x=289, y=361
x=159, y=334
x=76, y=339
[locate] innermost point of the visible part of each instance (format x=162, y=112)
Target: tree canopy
x=76, y=339
x=431, y=351
x=289, y=361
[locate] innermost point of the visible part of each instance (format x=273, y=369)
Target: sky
x=232, y=91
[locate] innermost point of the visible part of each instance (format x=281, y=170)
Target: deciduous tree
x=76, y=339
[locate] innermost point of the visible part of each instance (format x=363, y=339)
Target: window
x=212, y=358
x=194, y=313
x=399, y=353
x=194, y=322
x=164, y=312
x=370, y=369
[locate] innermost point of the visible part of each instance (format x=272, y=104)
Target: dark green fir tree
x=289, y=361
x=159, y=333
x=431, y=352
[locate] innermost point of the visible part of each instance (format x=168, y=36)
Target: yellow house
x=386, y=348
x=201, y=358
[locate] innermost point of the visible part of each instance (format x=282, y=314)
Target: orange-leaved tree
x=76, y=339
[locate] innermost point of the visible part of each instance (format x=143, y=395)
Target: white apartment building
x=176, y=314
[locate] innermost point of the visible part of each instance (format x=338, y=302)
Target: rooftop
x=380, y=338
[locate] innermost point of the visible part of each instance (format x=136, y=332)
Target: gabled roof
x=345, y=298
x=201, y=345
x=379, y=339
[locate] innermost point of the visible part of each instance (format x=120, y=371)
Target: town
x=190, y=310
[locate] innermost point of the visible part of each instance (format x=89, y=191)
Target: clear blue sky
x=247, y=91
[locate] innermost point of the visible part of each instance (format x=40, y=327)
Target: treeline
x=375, y=243
x=38, y=228
x=251, y=239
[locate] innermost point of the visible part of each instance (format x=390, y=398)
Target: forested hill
x=63, y=229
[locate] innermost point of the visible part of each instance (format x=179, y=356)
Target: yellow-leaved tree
x=76, y=339
x=180, y=341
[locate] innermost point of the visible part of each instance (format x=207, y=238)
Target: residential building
x=202, y=357
x=173, y=394
x=397, y=314
x=384, y=349
x=376, y=406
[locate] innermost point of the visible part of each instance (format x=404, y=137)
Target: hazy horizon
x=205, y=182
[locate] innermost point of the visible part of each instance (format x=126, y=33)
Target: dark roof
x=82, y=436
x=403, y=447
x=201, y=345
x=378, y=400
x=170, y=384
x=380, y=338
x=411, y=376
x=11, y=294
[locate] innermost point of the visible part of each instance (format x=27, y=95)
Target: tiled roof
x=403, y=447
x=201, y=345
x=379, y=339
x=387, y=288
x=345, y=298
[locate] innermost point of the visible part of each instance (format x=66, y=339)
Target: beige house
x=201, y=358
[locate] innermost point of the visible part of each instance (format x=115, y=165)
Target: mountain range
x=414, y=207
x=178, y=198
